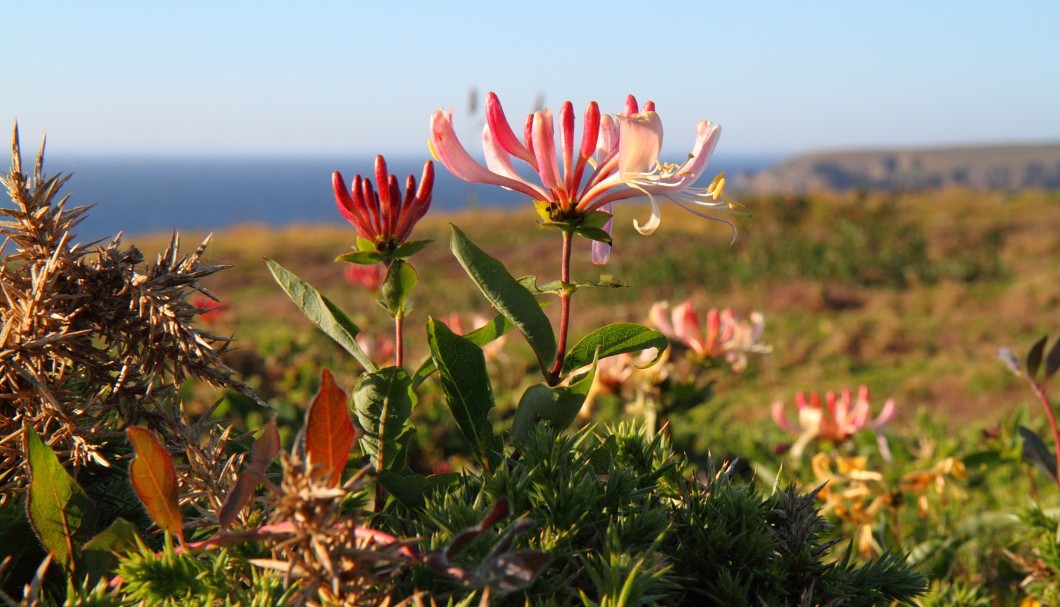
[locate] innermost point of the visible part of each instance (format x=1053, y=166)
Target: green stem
x=399, y=342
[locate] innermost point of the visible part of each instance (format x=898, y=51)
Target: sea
x=140, y=195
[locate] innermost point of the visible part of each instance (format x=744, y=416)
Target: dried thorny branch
x=93, y=339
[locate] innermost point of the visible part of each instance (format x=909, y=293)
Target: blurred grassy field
x=910, y=294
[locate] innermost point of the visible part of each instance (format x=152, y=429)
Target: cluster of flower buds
x=724, y=336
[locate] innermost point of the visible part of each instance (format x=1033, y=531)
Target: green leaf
x=591, y=233
x=58, y=508
x=553, y=287
x=100, y=553
x=412, y=489
x=1034, y=357
x=466, y=384
x=322, y=312
x=364, y=258
x=481, y=336
x=557, y=406
x=401, y=277
x=155, y=480
x=409, y=249
x=509, y=297
x=615, y=339
x=596, y=219
x=1036, y=452
x=383, y=403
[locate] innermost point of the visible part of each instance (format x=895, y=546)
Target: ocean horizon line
x=141, y=195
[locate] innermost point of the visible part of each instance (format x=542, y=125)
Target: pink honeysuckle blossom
x=840, y=418
x=384, y=217
x=370, y=277
x=724, y=336
x=617, y=158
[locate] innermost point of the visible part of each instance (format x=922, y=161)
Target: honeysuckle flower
x=617, y=158
x=840, y=418
x=384, y=217
x=368, y=276
x=854, y=494
x=724, y=336
x=379, y=349
x=918, y=482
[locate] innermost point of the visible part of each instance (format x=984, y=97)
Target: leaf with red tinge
x=262, y=453
x=329, y=430
x=1052, y=361
x=155, y=481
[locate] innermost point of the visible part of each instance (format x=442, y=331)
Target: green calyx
x=587, y=225
x=368, y=252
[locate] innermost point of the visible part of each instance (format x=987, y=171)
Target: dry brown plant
x=335, y=561
x=94, y=339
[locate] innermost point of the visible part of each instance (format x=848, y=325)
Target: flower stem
x=564, y=300
x=399, y=342
x=1039, y=391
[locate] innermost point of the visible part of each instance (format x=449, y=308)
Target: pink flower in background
x=379, y=349
x=837, y=420
x=723, y=336
x=384, y=217
x=617, y=158
x=210, y=310
x=370, y=277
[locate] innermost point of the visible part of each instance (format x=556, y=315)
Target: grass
x=910, y=294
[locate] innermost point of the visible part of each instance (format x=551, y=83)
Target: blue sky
x=327, y=77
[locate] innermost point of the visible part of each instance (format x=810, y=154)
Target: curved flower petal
x=502, y=129
x=639, y=143
x=498, y=161
x=544, y=139
x=447, y=148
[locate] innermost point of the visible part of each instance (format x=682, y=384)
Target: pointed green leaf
x=466, y=384
x=1036, y=452
x=1034, y=357
x=100, y=553
x=329, y=431
x=412, y=489
x=557, y=406
x=615, y=339
x=321, y=311
x=155, y=480
x=409, y=249
x=481, y=336
x=383, y=402
x=509, y=297
x=364, y=258
x=58, y=508
x=400, y=279
x=591, y=233
x=596, y=219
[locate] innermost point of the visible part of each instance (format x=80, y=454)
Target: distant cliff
x=1010, y=167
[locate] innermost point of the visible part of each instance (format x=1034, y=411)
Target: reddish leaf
x=261, y=455
x=265, y=448
x=155, y=481
x=329, y=431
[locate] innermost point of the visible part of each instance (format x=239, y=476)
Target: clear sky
x=305, y=77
